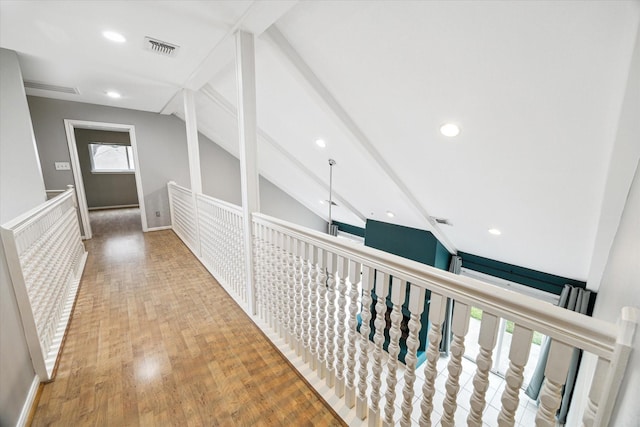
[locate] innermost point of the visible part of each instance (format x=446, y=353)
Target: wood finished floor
x=155, y=341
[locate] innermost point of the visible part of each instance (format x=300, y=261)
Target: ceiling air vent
x=442, y=221
x=52, y=88
x=160, y=47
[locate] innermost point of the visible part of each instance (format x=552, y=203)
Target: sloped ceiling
x=536, y=88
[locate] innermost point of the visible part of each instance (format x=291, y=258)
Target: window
x=111, y=158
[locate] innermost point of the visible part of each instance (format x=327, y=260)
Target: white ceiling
x=535, y=86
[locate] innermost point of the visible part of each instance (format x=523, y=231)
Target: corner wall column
x=193, y=146
x=193, y=151
x=247, y=131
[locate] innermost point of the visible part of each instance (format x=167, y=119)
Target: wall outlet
x=63, y=166
x=157, y=213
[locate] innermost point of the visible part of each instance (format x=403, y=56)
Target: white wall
x=221, y=179
x=21, y=189
x=622, y=163
x=618, y=280
x=161, y=142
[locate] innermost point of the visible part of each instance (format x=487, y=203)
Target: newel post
x=247, y=131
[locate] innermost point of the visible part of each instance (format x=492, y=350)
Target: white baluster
x=365, y=330
x=354, y=279
x=322, y=313
x=273, y=280
x=398, y=290
x=297, y=324
x=290, y=293
x=382, y=290
x=486, y=341
x=313, y=306
x=560, y=355
x=460, y=327
x=331, y=318
x=306, y=309
x=416, y=307
x=342, y=315
x=281, y=284
x=595, y=393
x=518, y=355
x=262, y=274
x=437, y=307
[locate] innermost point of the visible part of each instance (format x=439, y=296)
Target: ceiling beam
x=320, y=91
x=258, y=16
x=223, y=103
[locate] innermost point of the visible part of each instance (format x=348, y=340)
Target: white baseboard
x=164, y=227
x=26, y=408
x=98, y=208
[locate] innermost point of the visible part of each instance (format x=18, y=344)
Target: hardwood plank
x=154, y=340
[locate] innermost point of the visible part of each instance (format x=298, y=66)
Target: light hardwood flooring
x=154, y=340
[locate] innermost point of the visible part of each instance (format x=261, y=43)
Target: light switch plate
x=63, y=166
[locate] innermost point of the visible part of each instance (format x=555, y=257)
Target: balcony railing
x=46, y=257
x=315, y=293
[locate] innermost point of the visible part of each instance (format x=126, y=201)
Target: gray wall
x=104, y=189
x=161, y=142
x=21, y=189
x=221, y=179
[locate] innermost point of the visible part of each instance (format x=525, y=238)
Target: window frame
x=129, y=157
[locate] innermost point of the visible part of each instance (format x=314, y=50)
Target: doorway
x=131, y=159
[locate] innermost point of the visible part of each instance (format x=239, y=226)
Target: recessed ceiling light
x=320, y=143
x=450, y=129
x=495, y=231
x=390, y=214
x=114, y=37
x=113, y=94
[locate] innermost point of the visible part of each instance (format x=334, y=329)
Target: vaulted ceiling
x=536, y=88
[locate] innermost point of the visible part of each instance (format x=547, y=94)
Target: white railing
x=184, y=221
x=46, y=257
x=315, y=292
x=212, y=229
x=220, y=225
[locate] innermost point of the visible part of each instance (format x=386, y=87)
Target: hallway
x=154, y=340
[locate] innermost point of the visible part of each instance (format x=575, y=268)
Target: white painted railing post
x=398, y=290
x=289, y=307
x=437, y=307
x=518, y=355
x=331, y=318
x=608, y=376
x=342, y=329
x=487, y=341
x=354, y=279
x=247, y=131
x=460, y=327
x=305, y=301
x=314, y=254
x=555, y=376
x=322, y=313
x=416, y=307
x=362, y=407
x=382, y=290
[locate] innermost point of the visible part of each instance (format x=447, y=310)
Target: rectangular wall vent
x=160, y=47
x=53, y=88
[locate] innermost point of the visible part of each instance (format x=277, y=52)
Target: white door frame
x=69, y=126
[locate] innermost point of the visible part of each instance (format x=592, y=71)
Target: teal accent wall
x=535, y=279
x=443, y=257
x=351, y=229
x=411, y=243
